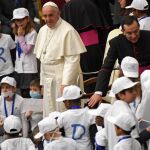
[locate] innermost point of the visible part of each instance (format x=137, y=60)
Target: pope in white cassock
x=58, y=47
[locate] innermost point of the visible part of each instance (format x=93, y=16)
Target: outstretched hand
x=95, y=98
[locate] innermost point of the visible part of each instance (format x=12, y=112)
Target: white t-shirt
x=17, y=111
x=100, y=138
x=118, y=107
x=6, y=44
x=76, y=123
x=27, y=63
x=62, y=144
x=18, y=144
x=128, y=144
x=144, y=23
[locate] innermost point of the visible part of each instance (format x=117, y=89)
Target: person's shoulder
x=118, y=38
x=5, y=36
x=145, y=33
x=67, y=25
x=43, y=28
x=18, y=97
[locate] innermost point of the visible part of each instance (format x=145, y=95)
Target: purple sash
x=143, y=68
x=89, y=37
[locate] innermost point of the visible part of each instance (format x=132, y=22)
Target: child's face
x=118, y=130
x=99, y=121
x=67, y=104
x=22, y=22
x=7, y=90
x=129, y=95
x=48, y=136
x=35, y=89
x=35, y=92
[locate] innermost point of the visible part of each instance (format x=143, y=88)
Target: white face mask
x=7, y=94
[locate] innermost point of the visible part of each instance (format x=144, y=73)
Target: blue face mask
x=35, y=95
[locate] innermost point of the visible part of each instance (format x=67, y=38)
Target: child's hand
x=21, y=31
x=28, y=114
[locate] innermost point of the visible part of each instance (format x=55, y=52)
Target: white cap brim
x=38, y=135
x=61, y=99
x=128, y=7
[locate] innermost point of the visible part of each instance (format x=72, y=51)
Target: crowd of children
x=123, y=125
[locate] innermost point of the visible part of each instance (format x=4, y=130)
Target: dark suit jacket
x=120, y=47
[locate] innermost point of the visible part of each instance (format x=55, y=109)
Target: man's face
x=132, y=32
x=50, y=15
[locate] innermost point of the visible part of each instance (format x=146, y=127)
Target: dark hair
x=128, y=20
x=123, y=92
x=36, y=83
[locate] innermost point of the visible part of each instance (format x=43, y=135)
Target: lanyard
x=142, y=17
x=75, y=107
x=125, y=137
x=12, y=109
x=19, y=49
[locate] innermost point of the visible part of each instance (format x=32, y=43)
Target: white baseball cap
x=145, y=80
x=46, y=125
x=101, y=110
x=12, y=124
x=54, y=114
x=70, y=93
x=125, y=121
x=9, y=80
x=139, y=5
x=20, y=13
x=130, y=67
x=121, y=84
x=101, y=138
x=50, y=3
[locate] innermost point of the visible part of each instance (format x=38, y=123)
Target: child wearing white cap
x=130, y=69
x=25, y=37
x=140, y=10
x=48, y=128
x=10, y=102
x=124, y=124
x=100, y=114
x=100, y=137
x=7, y=45
x=76, y=121
x=12, y=127
x=124, y=90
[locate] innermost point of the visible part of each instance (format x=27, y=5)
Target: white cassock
x=59, y=50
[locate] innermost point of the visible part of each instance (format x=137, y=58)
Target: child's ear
x=14, y=89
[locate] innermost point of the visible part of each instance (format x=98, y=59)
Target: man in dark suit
x=132, y=42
